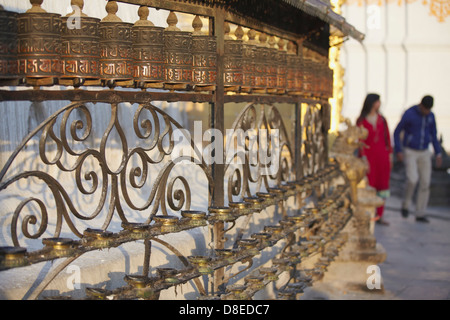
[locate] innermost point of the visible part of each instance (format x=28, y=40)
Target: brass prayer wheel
x=39, y=44
x=299, y=73
x=116, y=60
x=80, y=51
x=248, y=62
x=281, y=68
x=8, y=44
x=148, y=52
x=323, y=81
x=204, y=52
x=329, y=82
x=315, y=78
x=262, y=56
x=178, y=55
x=307, y=77
x=291, y=67
x=272, y=66
x=232, y=62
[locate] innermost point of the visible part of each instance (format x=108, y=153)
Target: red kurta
x=377, y=150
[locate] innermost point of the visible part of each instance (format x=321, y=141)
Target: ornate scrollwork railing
x=259, y=154
x=61, y=137
x=314, y=148
x=112, y=168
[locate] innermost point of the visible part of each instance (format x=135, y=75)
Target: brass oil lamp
x=240, y=208
x=249, y=246
x=166, y=223
x=268, y=198
x=136, y=230
x=143, y=286
x=264, y=239
x=218, y=213
x=282, y=264
x=287, y=224
x=255, y=282
x=279, y=193
x=59, y=247
x=289, y=188
x=270, y=273
x=286, y=294
x=226, y=255
x=193, y=218
x=305, y=279
x=98, y=238
x=298, y=220
x=256, y=203
x=238, y=291
x=202, y=264
x=168, y=275
x=96, y=293
x=293, y=256
x=276, y=232
x=11, y=257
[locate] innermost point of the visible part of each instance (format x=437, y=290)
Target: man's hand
x=400, y=156
x=439, y=160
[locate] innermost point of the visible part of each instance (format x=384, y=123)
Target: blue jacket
x=419, y=131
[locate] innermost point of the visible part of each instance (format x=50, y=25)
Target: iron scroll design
x=67, y=135
x=314, y=155
x=262, y=156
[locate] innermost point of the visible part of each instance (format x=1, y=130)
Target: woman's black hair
x=371, y=98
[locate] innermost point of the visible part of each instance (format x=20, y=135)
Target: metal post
x=217, y=122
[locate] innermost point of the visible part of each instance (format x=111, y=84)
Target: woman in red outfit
x=377, y=149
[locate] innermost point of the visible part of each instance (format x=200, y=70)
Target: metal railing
x=139, y=185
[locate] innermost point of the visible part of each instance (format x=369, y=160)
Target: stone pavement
x=417, y=264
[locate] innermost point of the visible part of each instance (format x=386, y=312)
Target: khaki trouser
x=418, y=170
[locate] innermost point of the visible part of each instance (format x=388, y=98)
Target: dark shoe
x=382, y=222
x=422, y=219
x=405, y=213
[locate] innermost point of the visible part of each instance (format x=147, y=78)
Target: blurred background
x=404, y=56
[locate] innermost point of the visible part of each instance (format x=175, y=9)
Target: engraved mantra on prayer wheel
x=81, y=48
x=148, y=53
x=178, y=57
x=233, y=63
x=8, y=44
x=116, y=61
x=39, y=44
x=204, y=51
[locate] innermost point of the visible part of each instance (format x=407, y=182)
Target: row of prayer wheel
x=44, y=48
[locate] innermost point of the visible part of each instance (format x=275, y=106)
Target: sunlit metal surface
x=264, y=69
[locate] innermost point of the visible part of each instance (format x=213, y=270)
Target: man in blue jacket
x=419, y=130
